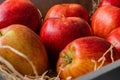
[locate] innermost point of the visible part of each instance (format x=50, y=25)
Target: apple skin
x=105, y=19
x=26, y=41
x=114, y=38
x=56, y=33
x=76, y=58
x=20, y=12
x=67, y=10
x=110, y=2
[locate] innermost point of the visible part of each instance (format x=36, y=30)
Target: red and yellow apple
x=84, y=55
x=24, y=40
x=105, y=19
x=20, y=12
x=67, y=10
x=56, y=33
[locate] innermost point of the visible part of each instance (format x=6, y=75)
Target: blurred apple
x=27, y=42
x=56, y=33
x=20, y=12
x=105, y=19
x=84, y=55
x=114, y=38
x=67, y=10
x=110, y=2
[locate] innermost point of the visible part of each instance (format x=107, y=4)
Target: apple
x=24, y=40
x=114, y=38
x=105, y=19
x=56, y=33
x=84, y=55
x=67, y=10
x=20, y=12
x=110, y=2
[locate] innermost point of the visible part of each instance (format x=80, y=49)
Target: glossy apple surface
x=82, y=56
x=56, y=33
x=110, y=2
x=105, y=19
x=67, y=10
x=114, y=38
x=28, y=43
x=19, y=12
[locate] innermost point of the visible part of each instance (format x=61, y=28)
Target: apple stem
x=22, y=55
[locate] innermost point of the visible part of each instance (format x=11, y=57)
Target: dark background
x=44, y=5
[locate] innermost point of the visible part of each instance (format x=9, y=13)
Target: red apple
x=84, y=55
x=110, y=2
x=114, y=38
x=67, y=10
x=19, y=12
x=56, y=33
x=24, y=40
x=105, y=19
